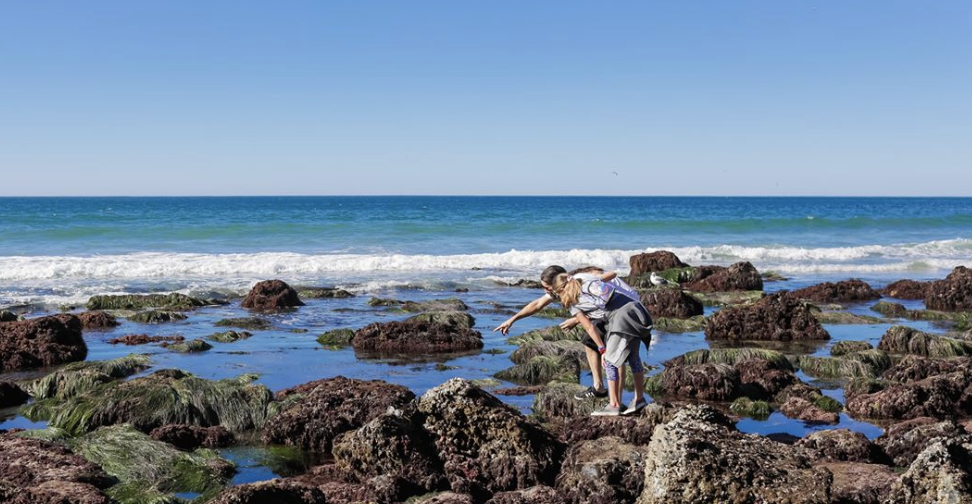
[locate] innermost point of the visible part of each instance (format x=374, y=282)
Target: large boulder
x=762, y=373
x=741, y=276
x=440, y=332
x=707, y=382
x=698, y=458
x=661, y=260
x=841, y=445
x=777, y=317
x=11, y=394
x=907, y=340
x=903, y=441
x=940, y=473
x=857, y=483
x=34, y=471
x=271, y=295
x=954, y=293
x=846, y=291
x=603, y=470
x=906, y=289
x=940, y=396
x=41, y=342
x=487, y=446
x=670, y=303
x=914, y=368
x=312, y=415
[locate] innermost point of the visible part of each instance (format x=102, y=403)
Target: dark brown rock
x=848, y=347
x=634, y=429
x=763, y=379
x=447, y=498
x=856, y=483
x=940, y=473
x=846, y=291
x=41, y=342
x=707, y=382
x=889, y=309
x=316, y=413
x=941, y=396
x=190, y=437
x=144, y=339
x=777, y=317
x=518, y=391
x=11, y=395
x=903, y=441
x=841, y=445
x=34, y=471
x=442, y=332
x=277, y=491
x=954, y=293
x=802, y=409
x=906, y=289
x=661, y=260
x=603, y=470
x=907, y=340
x=271, y=295
x=914, y=368
x=670, y=303
x=487, y=446
x=97, y=320
x=539, y=494
x=692, y=460
x=741, y=276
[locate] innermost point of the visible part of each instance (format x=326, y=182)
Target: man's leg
x=594, y=362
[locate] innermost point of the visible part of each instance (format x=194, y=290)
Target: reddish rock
x=777, y=317
x=190, y=437
x=906, y=289
x=603, y=470
x=954, y=293
x=41, y=342
x=271, y=295
x=914, y=368
x=97, y=320
x=763, y=379
x=670, y=303
x=707, y=382
x=741, y=276
x=277, y=491
x=856, y=483
x=441, y=332
x=801, y=409
x=143, y=339
x=903, y=441
x=661, y=260
x=633, y=429
x=323, y=409
x=847, y=291
x=941, y=396
x=841, y=445
x=11, y=395
x=34, y=471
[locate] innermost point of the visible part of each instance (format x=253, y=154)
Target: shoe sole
x=606, y=413
x=631, y=411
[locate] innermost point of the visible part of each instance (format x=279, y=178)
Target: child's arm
x=589, y=327
x=530, y=309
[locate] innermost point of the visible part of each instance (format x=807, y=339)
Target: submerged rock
x=954, y=293
x=191, y=346
x=421, y=334
x=191, y=437
x=603, y=470
x=697, y=457
x=323, y=293
x=487, y=446
x=97, y=320
x=41, y=342
x=661, y=260
x=777, y=317
x=846, y=291
x=889, y=309
x=144, y=339
x=229, y=336
x=271, y=295
x=670, y=303
x=741, y=276
x=336, y=338
x=906, y=289
x=157, y=317
x=251, y=323
x=312, y=415
x=35, y=471
x=172, y=301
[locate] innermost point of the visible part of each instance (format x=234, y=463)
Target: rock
x=517, y=391
x=172, y=301
x=691, y=460
x=552, y=333
x=777, y=317
x=11, y=395
x=35, y=471
x=707, y=382
x=393, y=444
x=190, y=437
x=191, y=346
x=864, y=364
x=556, y=402
x=603, y=470
x=229, y=336
x=661, y=260
x=539, y=494
x=747, y=407
x=741, y=276
x=337, y=338
x=845, y=318
x=842, y=348
x=97, y=320
x=487, y=446
x=542, y=369
x=167, y=396
x=905, y=340
x=251, y=323
x=802, y=409
x=41, y=342
x=939, y=396
x=312, y=415
x=523, y=282
x=631, y=429
x=442, y=332
x=903, y=441
x=889, y=309
x=810, y=394
x=906, y=289
x=856, y=483
x=914, y=368
x=954, y=293
x=322, y=293
x=840, y=445
x=940, y=473
x=9, y=316
x=277, y=491
x=79, y=377
x=846, y=291
x=529, y=350
x=436, y=305
x=271, y=295
x=445, y=498
x=143, y=339
x=157, y=317
x=670, y=303
x=723, y=299
x=673, y=325
x=762, y=373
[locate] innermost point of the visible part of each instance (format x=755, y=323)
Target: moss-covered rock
x=723, y=299
x=250, y=323
x=552, y=333
x=845, y=318
x=864, y=364
x=732, y=356
x=889, y=309
x=554, y=313
x=533, y=349
x=79, y=377
x=34, y=470
x=543, y=369
x=427, y=333
x=906, y=340
x=709, y=382
x=172, y=301
x=449, y=304
x=191, y=346
x=745, y=406
x=168, y=396
x=157, y=317
x=674, y=325
x=322, y=293
x=229, y=336
x=847, y=347
x=337, y=338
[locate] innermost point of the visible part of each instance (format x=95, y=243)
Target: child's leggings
x=634, y=361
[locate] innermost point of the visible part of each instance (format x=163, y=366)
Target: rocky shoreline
x=122, y=431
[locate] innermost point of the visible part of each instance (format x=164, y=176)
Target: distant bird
x=614, y=172
x=657, y=280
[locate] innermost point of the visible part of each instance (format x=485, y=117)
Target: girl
x=627, y=322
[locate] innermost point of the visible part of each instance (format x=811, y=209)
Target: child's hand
x=601, y=350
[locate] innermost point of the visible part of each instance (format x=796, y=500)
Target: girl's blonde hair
x=567, y=288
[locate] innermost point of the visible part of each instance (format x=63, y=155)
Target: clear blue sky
x=771, y=97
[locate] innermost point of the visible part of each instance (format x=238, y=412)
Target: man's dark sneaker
x=590, y=393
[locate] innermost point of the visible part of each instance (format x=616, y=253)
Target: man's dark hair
x=551, y=273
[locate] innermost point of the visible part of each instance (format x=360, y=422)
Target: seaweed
x=79, y=377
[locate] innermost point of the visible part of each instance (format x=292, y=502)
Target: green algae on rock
x=337, y=338
x=251, y=323
x=745, y=406
x=174, y=301
x=191, y=346
x=79, y=377
x=552, y=333
x=229, y=336
x=906, y=340
x=542, y=369
x=731, y=298
x=157, y=317
x=674, y=325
